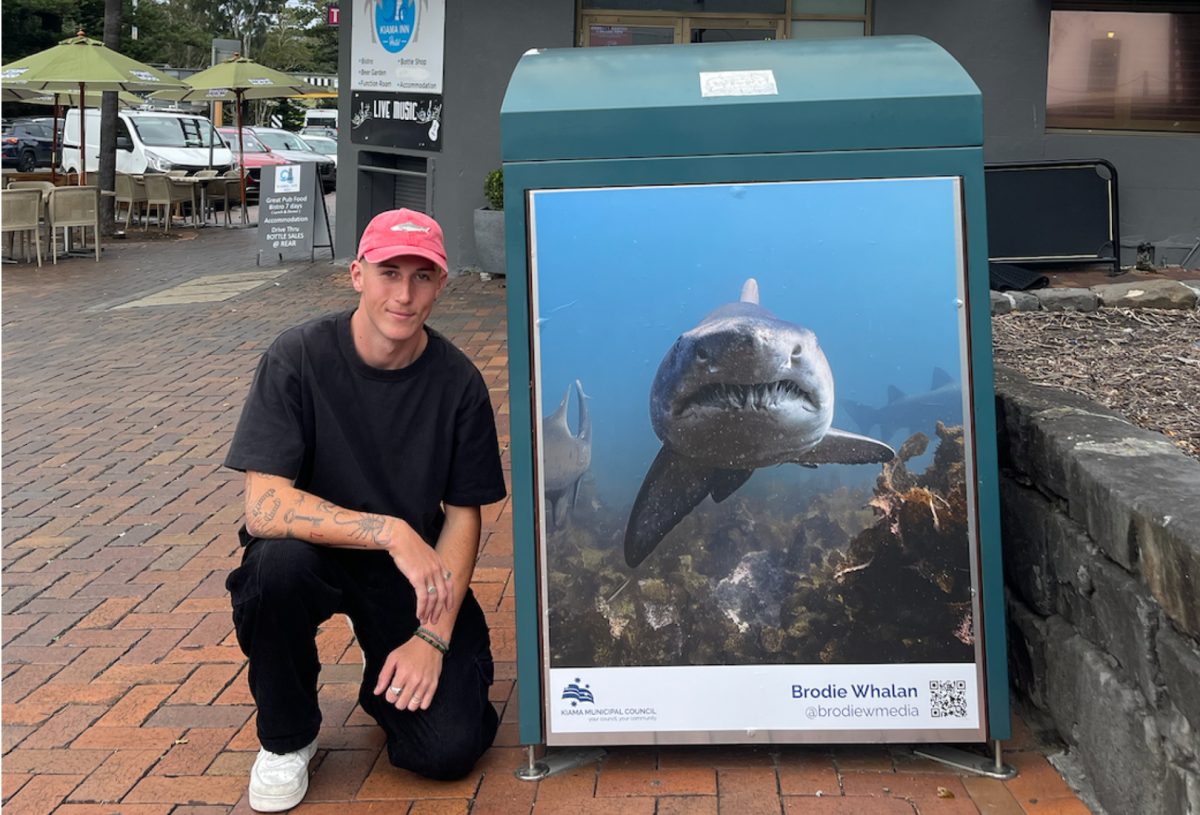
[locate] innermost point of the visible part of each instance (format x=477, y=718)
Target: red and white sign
x=333, y=14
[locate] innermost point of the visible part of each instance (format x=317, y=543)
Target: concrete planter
x=489, y=240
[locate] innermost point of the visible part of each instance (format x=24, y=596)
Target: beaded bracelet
x=433, y=639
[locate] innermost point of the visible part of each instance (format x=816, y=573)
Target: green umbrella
x=79, y=63
x=125, y=99
x=233, y=80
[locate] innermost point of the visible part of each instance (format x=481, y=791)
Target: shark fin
x=672, y=488
x=726, y=482
x=559, y=511
x=575, y=492
x=940, y=377
x=560, y=416
x=894, y=394
x=865, y=417
x=750, y=291
x=840, y=447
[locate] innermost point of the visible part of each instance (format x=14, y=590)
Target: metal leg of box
x=991, y=767
x=557, y=762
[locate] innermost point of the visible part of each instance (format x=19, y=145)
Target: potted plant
x=489, y=225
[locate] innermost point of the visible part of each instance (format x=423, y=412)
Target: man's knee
x=447, y=758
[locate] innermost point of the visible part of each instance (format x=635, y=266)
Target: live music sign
x=333, y=14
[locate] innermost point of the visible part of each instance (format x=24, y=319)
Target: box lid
x=866, y=93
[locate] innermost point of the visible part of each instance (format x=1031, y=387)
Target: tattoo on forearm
x=265, y=507
x=325, y=506
x=365, y=527
x=291, y=516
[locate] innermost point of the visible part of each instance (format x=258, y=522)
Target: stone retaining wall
x=1101, y=525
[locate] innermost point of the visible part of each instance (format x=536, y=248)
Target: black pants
x=285, y=588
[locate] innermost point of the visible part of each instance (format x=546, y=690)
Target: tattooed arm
x=275, y=508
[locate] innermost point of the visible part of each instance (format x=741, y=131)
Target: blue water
x=870, y=266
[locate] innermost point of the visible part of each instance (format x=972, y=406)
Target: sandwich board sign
x=289, y=217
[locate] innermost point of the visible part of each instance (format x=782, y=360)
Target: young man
x=369, y=444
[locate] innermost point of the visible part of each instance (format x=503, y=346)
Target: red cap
x=400, y=232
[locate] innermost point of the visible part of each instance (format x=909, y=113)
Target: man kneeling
x=369, y=444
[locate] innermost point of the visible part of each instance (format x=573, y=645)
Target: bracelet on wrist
x=438, y=638
x=432, y=639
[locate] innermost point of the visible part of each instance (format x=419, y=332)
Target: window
x=1124, y=70
x=662, y=22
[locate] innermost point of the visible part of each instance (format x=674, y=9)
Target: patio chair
x=158, y=198
x=226, y=189
x=20, y=214
x=184, y=191
x=176, y=173
x=132, y=193
x=44, y=187
x=206, y=173
x=74, y=207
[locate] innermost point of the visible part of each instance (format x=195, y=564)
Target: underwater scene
x=751, y=446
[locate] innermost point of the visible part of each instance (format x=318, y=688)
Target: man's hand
x=422, y=566
x=409, y=678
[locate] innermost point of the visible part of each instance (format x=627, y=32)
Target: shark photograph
x=741, y=390
x=749, y=500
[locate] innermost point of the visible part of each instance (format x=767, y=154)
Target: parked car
x=324, y=146
x=256, y=155
x=292, y=147
x=149, y=141
x=28, y=144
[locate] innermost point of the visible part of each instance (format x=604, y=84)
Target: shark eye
x=797, y=351
x=701, y=354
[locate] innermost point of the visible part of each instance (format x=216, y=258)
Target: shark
x=912, y=412
x=740, y=391
x=566, y=456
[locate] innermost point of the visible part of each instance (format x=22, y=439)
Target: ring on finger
x=416, y=700
x=397, y=690
x=431, y=589
x=447, y=574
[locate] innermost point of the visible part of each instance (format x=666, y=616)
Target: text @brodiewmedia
x=765, y=697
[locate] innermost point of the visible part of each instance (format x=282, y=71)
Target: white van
x=149, y=141
x=321, y=117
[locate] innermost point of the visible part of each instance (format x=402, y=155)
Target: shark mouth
x=763, y=396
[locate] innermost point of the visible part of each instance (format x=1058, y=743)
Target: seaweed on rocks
x=842, y=576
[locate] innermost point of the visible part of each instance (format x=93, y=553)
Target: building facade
x=1119, y=80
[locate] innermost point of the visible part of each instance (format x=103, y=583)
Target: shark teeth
x=760, y=396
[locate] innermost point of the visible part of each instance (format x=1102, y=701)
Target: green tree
x=33, y=25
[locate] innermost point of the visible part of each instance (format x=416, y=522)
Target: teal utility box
x=753, y=458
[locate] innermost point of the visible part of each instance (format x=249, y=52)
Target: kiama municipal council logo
x=577, y=692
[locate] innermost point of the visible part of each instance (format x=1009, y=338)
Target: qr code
x=948, y=698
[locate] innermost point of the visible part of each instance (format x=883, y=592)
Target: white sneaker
x=279, y=782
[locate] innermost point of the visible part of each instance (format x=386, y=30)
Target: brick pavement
x=123, y=687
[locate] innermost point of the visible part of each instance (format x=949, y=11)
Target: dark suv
x=27, y=144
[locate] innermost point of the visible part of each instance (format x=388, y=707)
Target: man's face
x=397, y=294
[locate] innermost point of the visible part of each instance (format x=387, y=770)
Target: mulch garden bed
x=1142, y=363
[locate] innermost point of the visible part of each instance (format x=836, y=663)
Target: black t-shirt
x=391, y=442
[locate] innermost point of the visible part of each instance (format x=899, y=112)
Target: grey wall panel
x=1004, y=45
